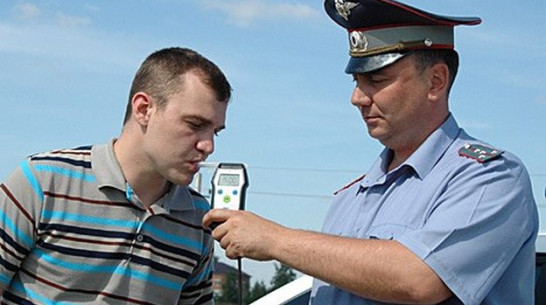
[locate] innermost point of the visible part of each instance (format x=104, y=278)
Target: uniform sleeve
x=484, y=217
x=21, y=198
x=198, y=289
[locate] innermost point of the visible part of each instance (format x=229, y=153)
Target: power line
x=291, y=195
x=295, y=169
x=279, y=194
x=328, y=170
x=331, y=170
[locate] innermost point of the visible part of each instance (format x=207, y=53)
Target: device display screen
x=228, y=180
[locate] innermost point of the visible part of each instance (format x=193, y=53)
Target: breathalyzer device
x=229, y=184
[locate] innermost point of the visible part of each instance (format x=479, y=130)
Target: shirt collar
x=106, y=166
x=108, y=171
x=434, y=147
x=422, y=160
x=179, y=198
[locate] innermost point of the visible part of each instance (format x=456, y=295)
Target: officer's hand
x=244, y=234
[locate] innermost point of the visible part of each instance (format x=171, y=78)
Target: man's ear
x=142, y=105
x=439, y=81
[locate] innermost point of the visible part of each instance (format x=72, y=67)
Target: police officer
x=440, y=217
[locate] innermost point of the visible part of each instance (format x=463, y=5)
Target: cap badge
x=359, y=42
x=344, y=8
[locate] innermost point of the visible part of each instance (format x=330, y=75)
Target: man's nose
x=206, y=145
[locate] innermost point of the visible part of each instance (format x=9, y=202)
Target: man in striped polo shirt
x=116, y=223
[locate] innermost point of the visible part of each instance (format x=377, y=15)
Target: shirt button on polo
x=139, y=238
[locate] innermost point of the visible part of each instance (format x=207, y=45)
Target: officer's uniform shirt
x=473, y=223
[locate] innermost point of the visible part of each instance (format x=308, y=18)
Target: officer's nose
x=361, y=94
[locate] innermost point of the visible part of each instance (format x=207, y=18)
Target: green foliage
x=283, y=275
x=257, y=291
x=230, y=290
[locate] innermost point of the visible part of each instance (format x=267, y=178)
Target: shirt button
x=139, y=238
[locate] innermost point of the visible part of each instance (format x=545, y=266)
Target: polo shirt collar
x=422, y=160
x=106, y=167
x=108, y=172
x=178, y=199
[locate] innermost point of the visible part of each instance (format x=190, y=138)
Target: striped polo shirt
x=72, y=231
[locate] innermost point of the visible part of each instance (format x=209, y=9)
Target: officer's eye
x=377, y=78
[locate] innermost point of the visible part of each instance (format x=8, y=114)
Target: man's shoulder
x=71, y=157
x=74, y=153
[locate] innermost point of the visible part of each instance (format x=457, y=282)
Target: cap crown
x=364, y=14
x=380, y=31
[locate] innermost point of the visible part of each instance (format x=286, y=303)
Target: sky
x=66, y=69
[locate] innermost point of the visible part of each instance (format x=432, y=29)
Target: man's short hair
x=160, y=76
x=427, y=58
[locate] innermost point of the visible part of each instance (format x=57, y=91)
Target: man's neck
x=148, y=185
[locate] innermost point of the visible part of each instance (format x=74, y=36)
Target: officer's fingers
x=233, y=251
x=215, y=215
x=231, y=254
x=208, y=219
x=224, y=241
x=220, y=232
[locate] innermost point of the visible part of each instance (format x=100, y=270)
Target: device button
x=235, y=192
x=227, y=199
x=220, y=192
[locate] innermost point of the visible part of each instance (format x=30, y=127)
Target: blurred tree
x=258, y=290
x=283, y=275
x=229, y=290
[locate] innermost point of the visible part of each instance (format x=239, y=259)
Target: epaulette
x=350, y=184
x=479, y=152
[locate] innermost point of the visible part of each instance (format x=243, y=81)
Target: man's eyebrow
x=203, y=120
x=197, y=117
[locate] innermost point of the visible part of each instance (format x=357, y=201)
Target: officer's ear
x=438, y=81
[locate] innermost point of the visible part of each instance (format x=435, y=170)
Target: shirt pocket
x=385, y=232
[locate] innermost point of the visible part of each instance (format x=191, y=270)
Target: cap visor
x=367, y=64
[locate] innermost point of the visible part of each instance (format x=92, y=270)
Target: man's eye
x=194, y=126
